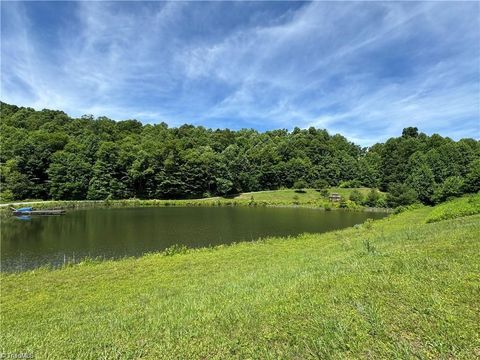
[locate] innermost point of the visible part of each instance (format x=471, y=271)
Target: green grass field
x=309, y=196
x=395, y=288
x=287, y=197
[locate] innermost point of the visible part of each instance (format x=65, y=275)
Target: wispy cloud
x=363, y=69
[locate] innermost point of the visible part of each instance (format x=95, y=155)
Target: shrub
x=372, y=198
x=356, y=196
x=299, y=184
x=368, y=224
x=224, y=186
x=400, y=195
x=6, y=195
x=321, y=184
x=370, y=249
x=451, y=187
x=381, y=202
x=324, y=192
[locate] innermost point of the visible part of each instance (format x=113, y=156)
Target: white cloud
x=318, y=65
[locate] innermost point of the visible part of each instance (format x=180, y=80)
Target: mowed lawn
x=394, y=288
x=307, y=196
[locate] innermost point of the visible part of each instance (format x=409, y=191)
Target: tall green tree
x=69, y=174
x=400, y=195
x=472, y=178
x=451, y=187
x=421, y=179
x=48, y=154
x=13, y=182
x=109, y=179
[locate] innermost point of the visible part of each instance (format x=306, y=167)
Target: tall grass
x=469, y=205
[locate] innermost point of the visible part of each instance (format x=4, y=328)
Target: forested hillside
x=47, y=154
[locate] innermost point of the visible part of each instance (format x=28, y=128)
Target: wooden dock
x=39, y=212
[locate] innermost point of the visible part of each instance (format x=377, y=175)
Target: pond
x=114, y=233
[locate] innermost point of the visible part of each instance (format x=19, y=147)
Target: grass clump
x=465, y=206
x=370, y=249
x=175, y=249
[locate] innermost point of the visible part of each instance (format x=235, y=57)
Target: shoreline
x=179, y=248
x=99, y=204
x=214, y=201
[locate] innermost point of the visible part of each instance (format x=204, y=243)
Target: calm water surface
x=114, y=233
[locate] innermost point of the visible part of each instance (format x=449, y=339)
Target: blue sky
x=363, y=69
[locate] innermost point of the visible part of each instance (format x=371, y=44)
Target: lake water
x=115, y=233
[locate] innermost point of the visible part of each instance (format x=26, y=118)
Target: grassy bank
x=395, y=288
x=469, y=205
x=288, y=197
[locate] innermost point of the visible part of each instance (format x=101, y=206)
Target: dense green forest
x=46, y=154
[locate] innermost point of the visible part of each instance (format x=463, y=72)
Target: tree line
x=47, y=154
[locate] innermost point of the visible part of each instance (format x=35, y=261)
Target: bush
x=400, y=195
x=356, y=196
x=299, y=184
x=295, y=199
x=6, y=195
x=381, y=203
x=324, y=192
x=321, y=184
x=451, y=187
x=372, y=198
x=368, y=224
x=224, y=186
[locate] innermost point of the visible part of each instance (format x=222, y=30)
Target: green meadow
x=310, y=197
x=284, y=197
x=402, y=287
